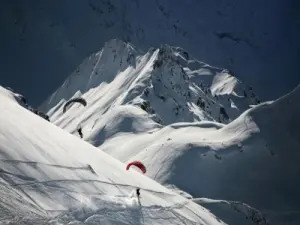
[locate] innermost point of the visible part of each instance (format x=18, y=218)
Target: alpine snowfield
x=51, y=177
x=198, y=129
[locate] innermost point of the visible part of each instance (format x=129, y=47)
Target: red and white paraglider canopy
x=137, y=164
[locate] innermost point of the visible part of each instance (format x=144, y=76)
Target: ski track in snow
x=118, y=211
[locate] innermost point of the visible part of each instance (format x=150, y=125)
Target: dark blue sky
x=42, y=42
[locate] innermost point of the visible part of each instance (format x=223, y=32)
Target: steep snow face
x=51, y=177
x=163, y=82
x=103, y=66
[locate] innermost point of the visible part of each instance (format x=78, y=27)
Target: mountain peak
x=166, y=82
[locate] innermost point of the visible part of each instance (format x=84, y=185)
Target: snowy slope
x=51, y=177
x=163, y=108
x=254, y=159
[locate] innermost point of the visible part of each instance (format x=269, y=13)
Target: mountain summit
x=166, y=83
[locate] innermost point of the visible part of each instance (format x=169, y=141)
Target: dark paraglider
x=73, y=100
x=69, y=103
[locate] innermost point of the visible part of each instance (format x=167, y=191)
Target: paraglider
x=137, y=164
x=73, y=100
x=142, y=167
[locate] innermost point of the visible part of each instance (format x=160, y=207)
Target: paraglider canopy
x=73, y=100
x=137, y=164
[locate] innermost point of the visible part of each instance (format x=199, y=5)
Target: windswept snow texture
x=170, y=112
x=48, y=176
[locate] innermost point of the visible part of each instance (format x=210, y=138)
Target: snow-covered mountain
x=170, y=111
x=258, y=40
x=50, y=177
x=166, y=83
